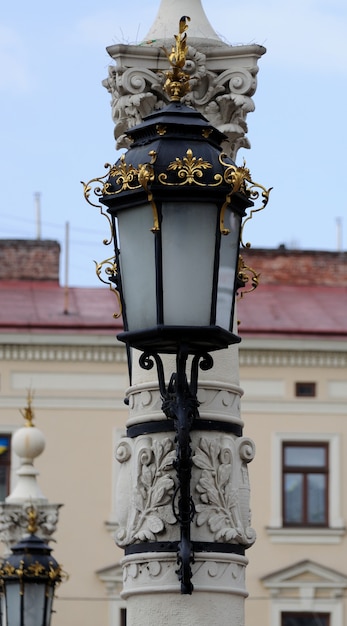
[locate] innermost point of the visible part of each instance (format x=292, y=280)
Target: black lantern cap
x=175, y=134
x=31, y=559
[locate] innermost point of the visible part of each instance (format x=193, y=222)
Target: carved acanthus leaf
x=222, y=95
x=152, y=508
x=222, y=487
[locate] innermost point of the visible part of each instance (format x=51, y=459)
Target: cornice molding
x=101, y=352
x=292, y=358
x=63, y=353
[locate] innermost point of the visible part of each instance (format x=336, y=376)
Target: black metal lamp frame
x=179, y=403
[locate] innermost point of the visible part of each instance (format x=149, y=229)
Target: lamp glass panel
x=229, y=253
x=13, y=605
x=137, y=265
x=49, y=605
x=188, y=249
x=34, y=603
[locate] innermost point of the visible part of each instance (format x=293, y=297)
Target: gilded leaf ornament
x=126, y=177
x=177, y=80
x=189, y=168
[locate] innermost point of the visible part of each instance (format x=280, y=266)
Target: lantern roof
x=174, y=149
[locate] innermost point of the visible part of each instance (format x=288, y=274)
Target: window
x=5, y=465
x=305, y=619
x=305, y=484
x=278, y=528
x=305, y=390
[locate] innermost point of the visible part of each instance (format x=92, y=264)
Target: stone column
x=223, y=80
x=220, y=530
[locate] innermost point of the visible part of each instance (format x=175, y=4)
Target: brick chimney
x=29, y=260
x=298, y=267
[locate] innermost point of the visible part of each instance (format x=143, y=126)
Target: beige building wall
x=273, y=414
x=79, y=385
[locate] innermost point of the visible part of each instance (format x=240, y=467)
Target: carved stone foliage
x=220, y=487
x=14, y=522
x=223, y=488
x=152, y=488
x=222, y=95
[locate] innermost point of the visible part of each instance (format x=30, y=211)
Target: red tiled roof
x=271, y=309
x=39, y=306
x=293, y=309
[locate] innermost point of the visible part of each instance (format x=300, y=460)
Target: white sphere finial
x=28, y=443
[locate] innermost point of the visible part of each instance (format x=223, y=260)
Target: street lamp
x=28, y=578
x=175, y=204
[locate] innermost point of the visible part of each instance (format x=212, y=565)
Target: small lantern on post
x=175, y=204
x=28, y=578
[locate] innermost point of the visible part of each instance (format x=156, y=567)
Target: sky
x=56, y=127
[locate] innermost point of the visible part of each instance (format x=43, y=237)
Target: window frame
x=334, y=532
x=303, y=613
x=333, y=607
x=305, y=471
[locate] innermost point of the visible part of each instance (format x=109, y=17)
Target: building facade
x=62, y=345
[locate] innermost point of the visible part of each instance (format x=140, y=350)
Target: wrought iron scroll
x=179, y=403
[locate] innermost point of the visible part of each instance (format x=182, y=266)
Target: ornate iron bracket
x=180, y=404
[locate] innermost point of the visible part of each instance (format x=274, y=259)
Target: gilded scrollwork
x=99, y=186
x=151, y=508
x=247, y=277
x=109, y=266
x=223, y=490
x=254, y=191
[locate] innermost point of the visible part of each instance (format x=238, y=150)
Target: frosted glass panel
x=229, y=252
x=188, y=285
x=13, y=604
x=34, y=602
x=137, y=262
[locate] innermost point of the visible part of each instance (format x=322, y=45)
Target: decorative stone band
x=147, y=490
x=217, y=402
x=154, y=573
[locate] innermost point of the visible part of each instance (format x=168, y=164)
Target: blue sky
x=56, y=126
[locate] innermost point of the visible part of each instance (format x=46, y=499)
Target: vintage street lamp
x=176, y=204
x=28, y=578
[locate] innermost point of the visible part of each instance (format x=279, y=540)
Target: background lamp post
x=176, y=204
x=28, y=578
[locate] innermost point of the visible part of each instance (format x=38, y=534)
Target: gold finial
x=28, y=412
x=177, y=80
x=32, y=520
